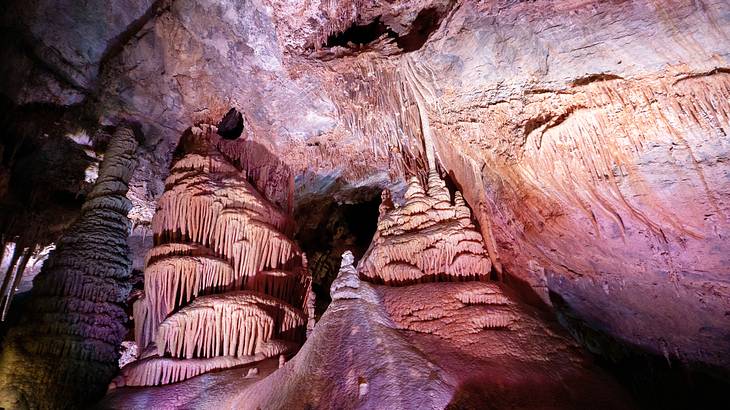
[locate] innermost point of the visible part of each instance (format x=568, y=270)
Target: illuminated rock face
x=68, y=339
x=224, y=285
x=588, y=137
x=427, y=239
x=441, y=338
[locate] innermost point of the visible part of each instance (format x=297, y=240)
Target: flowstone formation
x=224, y=285
x=436, y=269
x=448, y=342
x=427, y=239
x=64, y=352
x=456, y=340
x=355, y=358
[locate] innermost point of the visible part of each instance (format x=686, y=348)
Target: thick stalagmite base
x=65, y=350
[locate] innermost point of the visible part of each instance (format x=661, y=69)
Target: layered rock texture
x=427, y=239
x=408, y=346
x=68, y=338
x=588, y=138
x=223, y=285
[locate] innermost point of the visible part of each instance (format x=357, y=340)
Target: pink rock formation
x=586, y=135
x=384, y=347
x=492, y=347
x=426, y=239
x=224, y=286
x=589, y=138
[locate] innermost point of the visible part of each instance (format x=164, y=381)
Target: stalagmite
x=224, y=285
x=426, y=240
x=74, y=321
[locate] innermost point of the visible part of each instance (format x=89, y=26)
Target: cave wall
x=588, y=137
x=599, y=165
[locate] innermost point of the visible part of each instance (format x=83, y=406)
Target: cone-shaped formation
x=74, y=322
x=427, y=239
x=224, y=281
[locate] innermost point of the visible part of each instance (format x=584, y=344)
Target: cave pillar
x=68, y=337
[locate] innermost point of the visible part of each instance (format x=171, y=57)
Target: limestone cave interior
x=365, y=204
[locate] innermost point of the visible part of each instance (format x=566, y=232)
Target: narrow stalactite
x=68, y=337
x=223, y=283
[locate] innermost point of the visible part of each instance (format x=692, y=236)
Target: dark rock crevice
x=327, y=227
x=419, y=31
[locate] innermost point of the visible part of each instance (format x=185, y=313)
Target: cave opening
x=328, y=226
x=420, y=30
x=360, y=34
x=427, y=21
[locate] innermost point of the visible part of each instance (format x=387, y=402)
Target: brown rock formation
x=407, y=347
x=588, y=137
x=224, y=285
x=426, y=239
x=69, y=336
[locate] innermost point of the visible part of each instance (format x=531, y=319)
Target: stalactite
x=154, y=370
x=174, y=281
x=74, y=321
x=230, y=324
x=223, y=283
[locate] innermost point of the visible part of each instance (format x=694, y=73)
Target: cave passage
x=425, y=24
x=360, y=34
x=327, y=228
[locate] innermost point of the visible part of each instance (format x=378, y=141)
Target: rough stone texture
x=58, y=46
x=348, y=375
x=589, y=137
x=610, y=192
x=495, y=349
x=68, y=339
x=436, y=345
x=429, y=346
x=223, y=285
